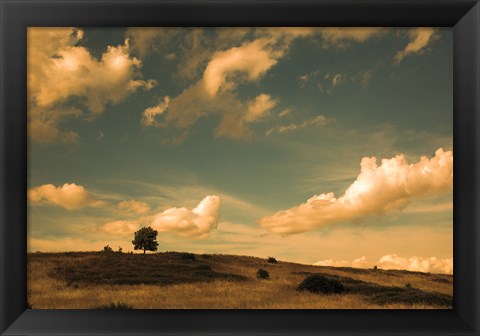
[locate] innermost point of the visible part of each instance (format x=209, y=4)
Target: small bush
x=272, y=260
x=107, y=248
x=375, y=268
x=120, y=250
x=262, y=274
x=115, y=306
x=206, y=255
x=188, y=256
x=321, y=285
x=408, y=285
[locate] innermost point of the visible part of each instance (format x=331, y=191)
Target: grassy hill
x=171, y=280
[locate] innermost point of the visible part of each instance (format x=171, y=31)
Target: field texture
x=170, y=280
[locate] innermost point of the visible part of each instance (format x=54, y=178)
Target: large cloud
x=215, y=92
x=70, y=196
x=195, y=223
x=393, y=261
x=59, y=69
x=419, y=39
x=378, y=189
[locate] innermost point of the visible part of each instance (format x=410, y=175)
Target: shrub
x=262, y=274
x=206, y=255
x=375, y=267
x=107, y=248
x=272, y=260
x=321, y=285
x=408, y=285
x=115, y=306
x=120, y=250
x=188, y=256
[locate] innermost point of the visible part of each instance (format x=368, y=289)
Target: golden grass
x=279, y=292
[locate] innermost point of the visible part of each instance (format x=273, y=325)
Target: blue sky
x=254, y=141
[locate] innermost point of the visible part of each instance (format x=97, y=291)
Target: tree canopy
x=145, y=239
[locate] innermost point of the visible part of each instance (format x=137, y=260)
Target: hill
x=170, y=280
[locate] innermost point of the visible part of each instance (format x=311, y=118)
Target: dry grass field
x=170, y=280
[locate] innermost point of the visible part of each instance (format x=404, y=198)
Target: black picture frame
x=17, y=15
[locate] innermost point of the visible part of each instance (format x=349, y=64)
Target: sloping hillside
x=185, y=280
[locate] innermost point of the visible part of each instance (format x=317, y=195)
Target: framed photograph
x=248, y=167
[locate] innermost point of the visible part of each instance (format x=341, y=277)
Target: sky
x=328, y=146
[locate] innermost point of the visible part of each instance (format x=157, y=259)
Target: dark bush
x=272, y=260
x=408, y=285
x=321, y=285
x=115, y=306
x=107, y=248
x=188, y=256
x=262, y=274
x=206, y=255
x=375, y=267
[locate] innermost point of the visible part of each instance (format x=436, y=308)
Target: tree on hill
x=145, y=239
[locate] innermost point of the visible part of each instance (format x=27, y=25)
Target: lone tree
x=145, y=239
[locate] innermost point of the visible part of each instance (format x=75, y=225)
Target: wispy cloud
x=133, y=207
x=419, y=40
x=318, y=120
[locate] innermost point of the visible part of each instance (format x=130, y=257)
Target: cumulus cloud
x=419, y=39
x=318, y=120
x=133, y=207
x=196, y=223
x=379, y=189
x=393, y=261
x=70, y=196
x=59, y=69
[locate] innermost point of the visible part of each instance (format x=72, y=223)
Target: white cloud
x=419, y=39
x=393, y=261
x=259, y=107
x=121, y=228
x=318, y=120
x=133, y=207
x=252, y=59
x=195, y=223
x=69, y=196
x=377, y=190
x=149, y=115
x=59, y=69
